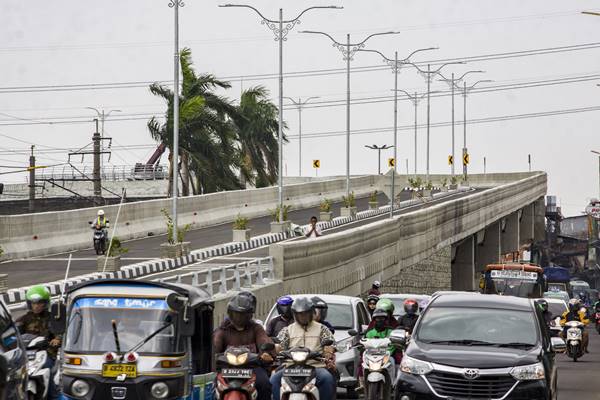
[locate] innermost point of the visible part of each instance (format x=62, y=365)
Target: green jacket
x=384, y=334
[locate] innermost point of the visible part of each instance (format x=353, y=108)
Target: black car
x=473, y=346
x=13, y=359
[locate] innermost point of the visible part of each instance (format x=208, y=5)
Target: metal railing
x=139, y=172
x=222, y=279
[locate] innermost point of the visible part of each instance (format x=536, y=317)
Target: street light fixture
x=280, y=28
x=453, y=82
x=299, y=105
x=348, y=50
x=466, y=90
x=379, y=148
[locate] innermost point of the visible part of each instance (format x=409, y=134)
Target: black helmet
x=379, y=313
x=302, y=304
x=380, y=319
x=240, y=310
x=373, y=298
x=252, y=298
x=411, y=306
x=321, y=306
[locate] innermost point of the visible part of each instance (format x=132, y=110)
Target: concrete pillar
x=509, y=237
x=539, y=223
x=526, y=231
x=463, y=265
x=488, y=251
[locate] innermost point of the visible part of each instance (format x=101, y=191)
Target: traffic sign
x=450, y=160
x=316, y=163
x=466, y=159
x=391, y=162
x=593, y=210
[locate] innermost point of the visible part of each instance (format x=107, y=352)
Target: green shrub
x=170, y=231
x=325, y=205
x=429, y=185
x=444, y=181
x=349, y=201
x=454, y=180
x=275, y=213
x=373, y=197
x=116, y=248
x=415, y=183
x=240, y=223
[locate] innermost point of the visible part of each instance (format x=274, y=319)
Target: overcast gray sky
x=64, y=42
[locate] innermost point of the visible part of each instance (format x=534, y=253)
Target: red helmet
x=411, y=306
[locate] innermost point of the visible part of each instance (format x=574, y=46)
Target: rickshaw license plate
x=114, y=370
x=299, y=372
x=236, y=373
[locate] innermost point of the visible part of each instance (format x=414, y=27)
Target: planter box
x=241, y=235
x=281, y=227
x=113, y=264
x=185, y=249
x=174, y=250
x=325, y=216
x=426, y=193
x=444, y=189
x=348, y=212
x=453, y=186
x=373, y=205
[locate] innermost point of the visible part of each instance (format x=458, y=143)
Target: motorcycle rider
x=375, y=289
x=388, y=306
x=372, y=303
x=382, y=330
x=305, y=332
x=240, y=330
x=321, y=308
x=543, y=305
x=285, y=317
x=409, y=319
x=575, y=313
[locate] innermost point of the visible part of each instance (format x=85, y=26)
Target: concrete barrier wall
x=53, y=232
x=346, y=262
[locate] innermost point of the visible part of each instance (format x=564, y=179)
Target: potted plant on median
x=175, y=246
x=325, y=213
x=349, y=208
x=241, y=233
x=278, y=226
x=444, y=184
x=428, y=190
x=454, y=182
x=373, y=203
x=416, y=185
x=112, y=259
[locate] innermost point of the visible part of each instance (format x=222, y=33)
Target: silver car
x=344, y=313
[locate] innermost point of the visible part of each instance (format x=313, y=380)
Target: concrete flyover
x=439, y=247
x=41, y=234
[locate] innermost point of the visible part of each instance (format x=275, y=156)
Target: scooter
x=99, y=239
x=574, y=339
x=379, y=369
x=235, y=373
x=39, y=375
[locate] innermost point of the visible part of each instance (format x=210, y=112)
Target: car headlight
x=159, y=390
x=529, y=372
x=232, y=359
x=416, y=367
x=80, y=388
x=344, y=345
x=299, y=356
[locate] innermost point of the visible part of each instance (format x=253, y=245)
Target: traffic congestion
x=133, y=339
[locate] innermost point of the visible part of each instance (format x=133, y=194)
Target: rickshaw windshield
x=90, y=325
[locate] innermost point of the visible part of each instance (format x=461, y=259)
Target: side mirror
x=327, y=342
x=353, y=332
x=185, y=315
x=58, y=320
x=364, y=328
x=176, y=302
x=399, y=337
x=558, y=345
x=265, y=347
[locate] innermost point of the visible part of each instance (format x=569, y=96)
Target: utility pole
x=96, y=138
x=32, y=180
x=484, y=165
x=103, y=116
x=379, y=148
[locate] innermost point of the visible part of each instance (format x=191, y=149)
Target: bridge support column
x=539, y=220
x=509, y=237
x=487, y=250
x=463, y=265
x=526, y=228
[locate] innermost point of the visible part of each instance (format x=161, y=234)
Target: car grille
x=457, y=386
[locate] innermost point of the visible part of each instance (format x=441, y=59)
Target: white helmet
x=100, y=213
x=377, y=284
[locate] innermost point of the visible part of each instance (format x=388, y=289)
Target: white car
x=556, y=307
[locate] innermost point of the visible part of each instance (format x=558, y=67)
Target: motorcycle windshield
x=90, y=330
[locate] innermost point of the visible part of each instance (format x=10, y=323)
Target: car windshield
x=471, y=326
x=340, y=316
x=556, y=309
x=514, y=287
x=90, y=325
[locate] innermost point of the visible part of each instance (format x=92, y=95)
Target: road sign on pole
x=316, y=163
x=450, y=160
x=593, y=210
x=466, y=159
x=391, y=162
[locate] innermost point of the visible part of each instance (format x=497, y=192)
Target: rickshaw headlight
x=80, y=388
x=241, y=359
x=159, y=390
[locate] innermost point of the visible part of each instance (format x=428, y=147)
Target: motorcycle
x=379, y=369
x=235, y=373
x=574, y=339
x=299, y=381
x=100, y=239
x=38, y=373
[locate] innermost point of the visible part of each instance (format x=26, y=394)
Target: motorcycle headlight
x=375, y=365
x=344, y=345
x=299, y=356
x=232, y=359
x=531, y=372
x=416, y=367
x=80, y=388
x=159, y=390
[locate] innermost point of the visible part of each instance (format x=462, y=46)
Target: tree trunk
x=185, y=174
x=170, y=188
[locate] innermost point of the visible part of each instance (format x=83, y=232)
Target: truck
x=513, y=279
x=557, y=279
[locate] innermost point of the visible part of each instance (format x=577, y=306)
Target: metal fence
x=138, y=172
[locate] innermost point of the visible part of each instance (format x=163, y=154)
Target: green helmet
x=37, y=294
x=385, y=304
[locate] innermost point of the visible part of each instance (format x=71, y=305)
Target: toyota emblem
x=471, y=374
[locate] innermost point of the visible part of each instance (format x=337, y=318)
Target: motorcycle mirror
x=175, y=302
x=353, y=332
x=265, y=347
x=399, y=337
x=58, y=320
x=558, y=345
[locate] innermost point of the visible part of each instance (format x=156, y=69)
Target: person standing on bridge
x=313, y=230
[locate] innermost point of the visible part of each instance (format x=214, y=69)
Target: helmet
x=379, y=313
x=379, y=318
x=386, y=305
x=372, y=301
x=304, y=306
x=543, y=304
x=252, y=298
x=100, y=213
x=411, y=306
x=573, y=305
x=240, y=310
x=320, y=307
x=284, y=306
x=37, y=294
x=377, y=284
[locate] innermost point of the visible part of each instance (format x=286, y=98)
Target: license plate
x=236, y=373
x=300, y=372
x=114, y=370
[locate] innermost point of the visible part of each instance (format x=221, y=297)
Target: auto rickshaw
x=130, y=340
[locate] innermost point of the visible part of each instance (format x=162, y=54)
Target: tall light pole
x=102, y=116
x=280, y=28
x=453, y=82
x=466, y=90
x=299, y=104
x=379, y=148
x=348, y=50
x=396, y=65
x=598, y=153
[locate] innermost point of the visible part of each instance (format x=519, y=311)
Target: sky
x=47, y=46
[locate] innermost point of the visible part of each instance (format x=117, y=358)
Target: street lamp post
x=348, y=50
x=453, y=82
x=280, y=28
x=466, y=90
x=299, y=104
x=598, y=153
x=102, y=116
x=379, y=148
